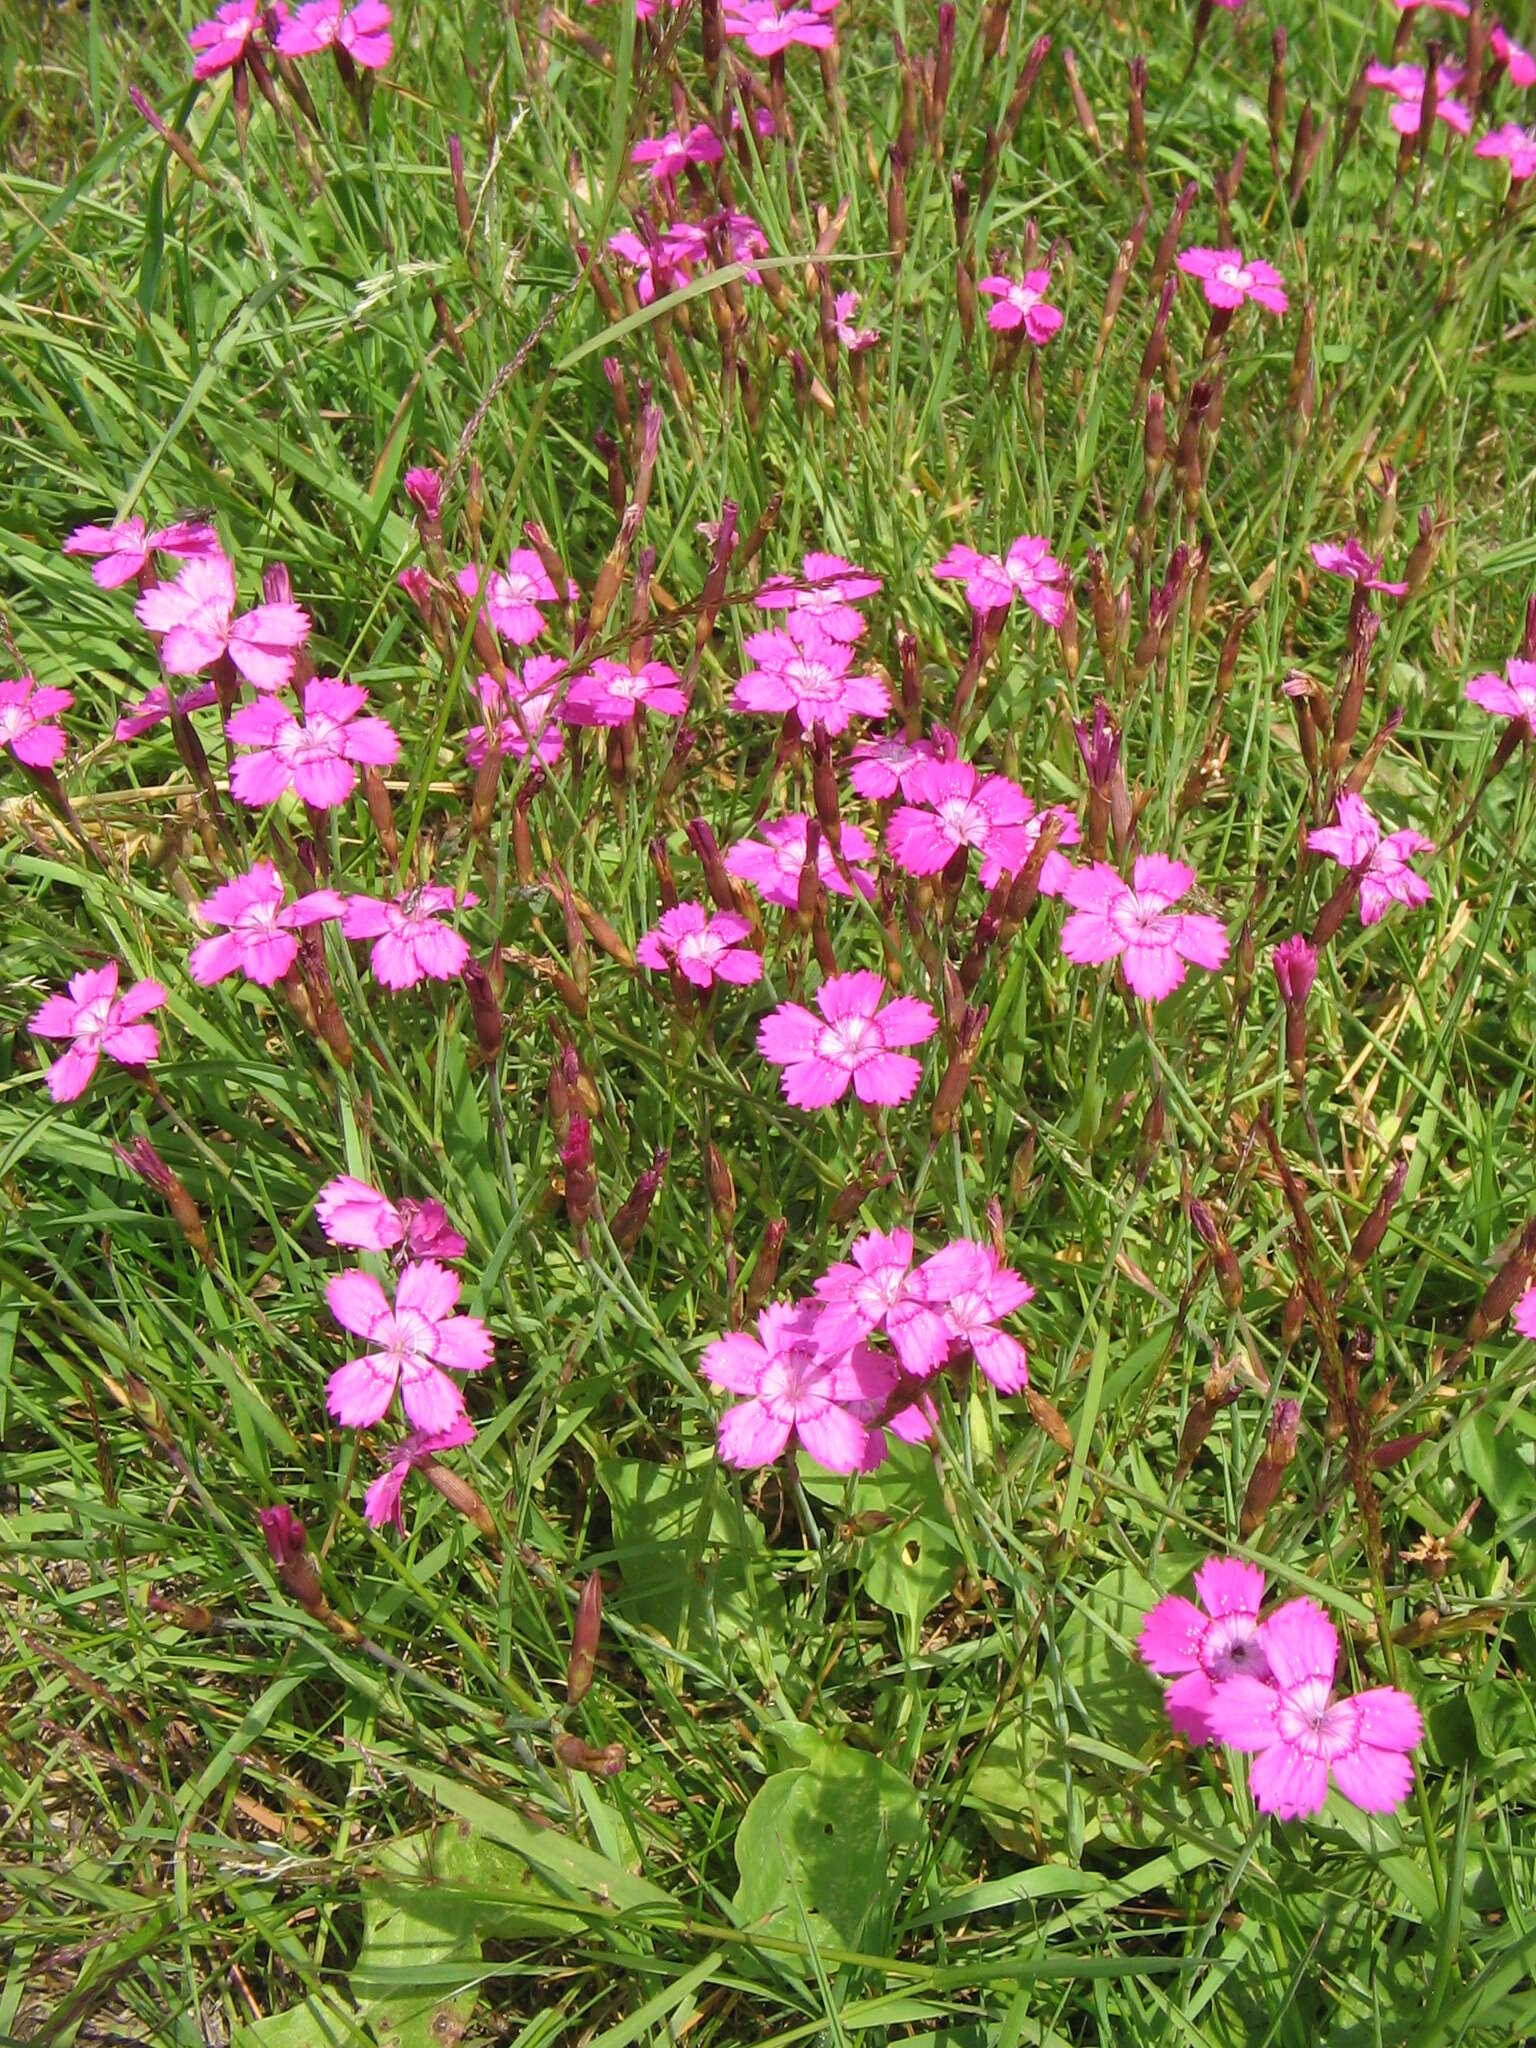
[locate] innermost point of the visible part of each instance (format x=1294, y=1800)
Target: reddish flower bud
x=288, y=1548
x=1217, y=1393
x=141, y=1158
x=952, y=1087
x=584, y=1638
x=1269, y=1473
x=765, y=1267
x=1229, y=1276
x=577, y=1755
x=631, y=1216
x=1371, y=1232
x=483, y=1008
x=722, y=1186
x=580, y=1172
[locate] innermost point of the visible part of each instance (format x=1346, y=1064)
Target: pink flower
x=1355, y=836
x=808, y=676
x=794, y=1394
x=611, y=692
x=317, y=757
x=855, y=339
x=876, y=1293
x=363, y=32
x=523, y=713
x=852, y=1040
x=1460, y=8
x=1524, y=1317
x=99, y=1020
x=768, y=29
x=195, y=616
x=878, y=768
x=1199, y=1649
x=1295, y=965
x=1514, y=142
x=221, y=43
x=772, y=862
x=126, y=550
x=1519, y=63
x=953, y=808
x=1134, y=922
x=381, y=1503
x=26, y=721
x=1030, y=571
x=1406, y=83
x=258, y=938
x=1301, y=1735
x=410, y=1345
x=1351, y=561
x=411, y=944
x=823, y=597
x=670, y=153
x=1019, y=303
x=513, y=598
x=154, y=708
x=702, y=948
x=352, y=1213
x=974, y=1290
x=1228, y=281
x=1512, y=695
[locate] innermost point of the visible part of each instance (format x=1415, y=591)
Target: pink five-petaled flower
x=825, y=595
x=351, y=1212
x=973, y=1290
x=1355, y=564
x=1021, y=303
x=411, y=944
x=317, y=757
x=702, y=948
x=1134, y=921
x=1029, y=571
x=1519, y=62
x=513, y=596
x=1302, y=1735
x=855, y=339
x=1227, y=280
x=99, y=1020
x=1200, y=1647
x=1356, y=837
x=672, y=152
x=522, y=713
x=876, y=1291
x=218, y=45
x=259, y=936
x=1406, y=83
x=1511, y=695
x=362, y=31
x=953, y=808
x=611, y=692
x=195, y=617
x=769, y=29
x=27, y=713
x=410, y=1345
x=795, y=1393
x=381, y=1503
x=772, y=862
x=1515, y=143
x=1524, y=1318
x=808, y=674
x=878, y=768
x=852, y=1040
x=126, y=550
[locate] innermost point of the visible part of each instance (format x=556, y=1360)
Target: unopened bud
x=951, y=1090
x=722, y=1186
x=484, y=1009
x=1229, y=1276
x=1370, y=1234
x=765, y=1267
x=288, y=1548
x=584, y=1638
x=631, y=1215
x=141, y=1158
x=577, y=1755
x=1269, y=1473
x=576, y=1158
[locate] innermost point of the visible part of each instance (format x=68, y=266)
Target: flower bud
x=142, y=1159
x=484, y=1009
x=577, y=1755
x=584, y=1637
x=1295, y=966
x=1217, y=1393
x=716, y=877
x=1292, y=1317
x=633, y=1212
x=1506, y=1286
x=1371, y=1232
x=1421, y=556
x=288, y=1548
x=1083, y=110
x=765, y=1267
x=951, y=1090
x=1269, y=1473
x=1229, y=1276
x=1168, y=248
x=424, y=488
x=576, y=1158
x=722, y=1186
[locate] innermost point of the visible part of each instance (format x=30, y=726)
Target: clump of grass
x=610, y=1739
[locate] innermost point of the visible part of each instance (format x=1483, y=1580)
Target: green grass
x=978, y=1831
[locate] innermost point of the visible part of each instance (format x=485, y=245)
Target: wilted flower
x=98, y=1020
x=851, y=1041
x=855, y=339
x=1135, y=922
x=157, y=705
x=381, y=1503
x=1356, y=837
